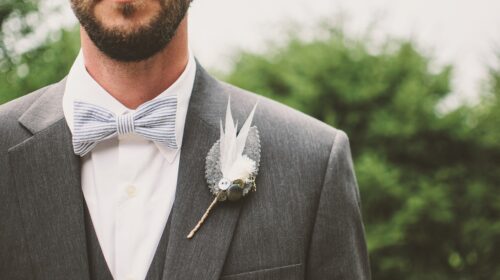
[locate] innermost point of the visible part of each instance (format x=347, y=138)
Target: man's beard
x=132, y=45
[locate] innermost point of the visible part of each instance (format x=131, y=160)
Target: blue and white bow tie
x=154, y=120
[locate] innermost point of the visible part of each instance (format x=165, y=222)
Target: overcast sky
x=464, y=33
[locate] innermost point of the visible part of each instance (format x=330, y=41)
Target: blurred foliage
x=428, y=180
x=46, y=63
x=16, y=12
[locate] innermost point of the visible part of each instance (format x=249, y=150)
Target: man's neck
x=133, y=83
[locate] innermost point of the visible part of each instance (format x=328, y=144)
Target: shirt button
x=131, y=191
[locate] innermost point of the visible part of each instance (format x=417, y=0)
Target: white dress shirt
x=128, y=182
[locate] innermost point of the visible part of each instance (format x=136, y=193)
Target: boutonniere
x=232, y=163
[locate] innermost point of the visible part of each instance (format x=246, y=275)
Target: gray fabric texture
x=304, y=221
x=98, y=268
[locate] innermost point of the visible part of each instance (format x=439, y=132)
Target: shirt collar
x=82, y=87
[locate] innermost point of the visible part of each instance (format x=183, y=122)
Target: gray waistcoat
x=97, y=264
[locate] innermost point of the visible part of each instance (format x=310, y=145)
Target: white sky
x=461, y=32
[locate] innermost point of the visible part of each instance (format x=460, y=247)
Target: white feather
x=235, y=165
x=243, y=135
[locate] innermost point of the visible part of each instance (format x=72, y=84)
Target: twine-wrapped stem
x=204, y=217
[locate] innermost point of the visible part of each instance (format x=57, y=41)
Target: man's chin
x=133, y=35
x=129, y=43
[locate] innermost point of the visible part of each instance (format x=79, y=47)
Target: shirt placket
x=127, y=216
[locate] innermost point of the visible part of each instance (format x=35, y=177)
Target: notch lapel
x=203, y=256
x=47, y=178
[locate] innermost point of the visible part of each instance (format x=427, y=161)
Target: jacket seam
x=264, y=270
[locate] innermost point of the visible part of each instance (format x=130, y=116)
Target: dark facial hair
x=140, y=43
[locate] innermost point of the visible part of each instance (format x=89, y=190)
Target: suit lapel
x=203, y=256
x=47, y=178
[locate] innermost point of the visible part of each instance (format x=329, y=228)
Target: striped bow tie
x=154, y=120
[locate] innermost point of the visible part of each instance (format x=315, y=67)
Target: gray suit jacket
x=303, y=222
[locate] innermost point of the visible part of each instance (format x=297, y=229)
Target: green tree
x=428, y=181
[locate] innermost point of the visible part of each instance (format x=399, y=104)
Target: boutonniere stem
x=204, y=217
